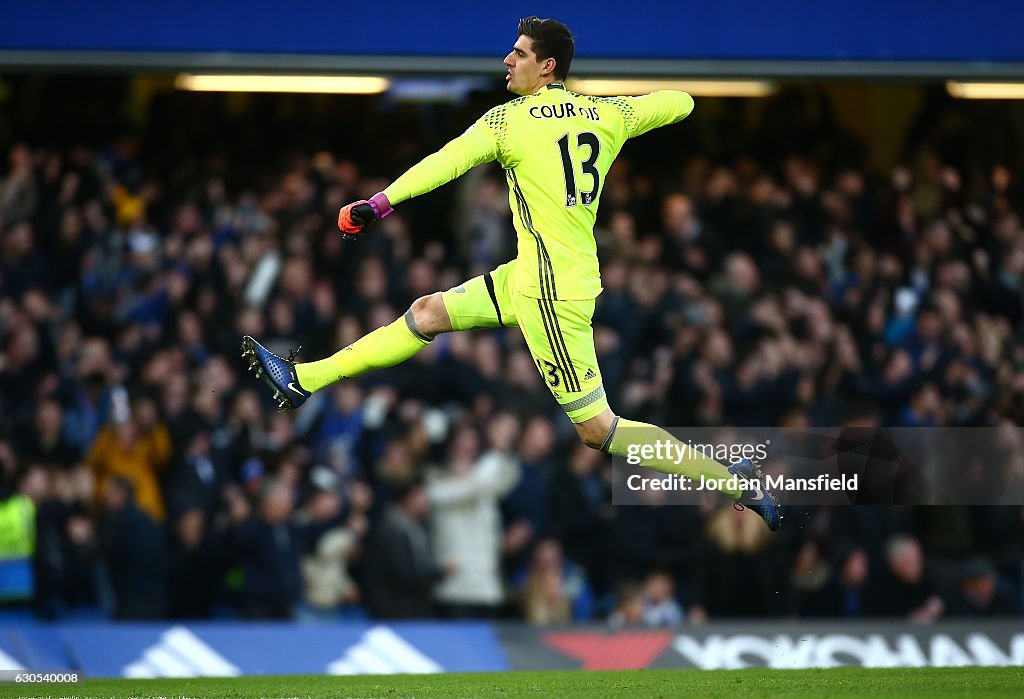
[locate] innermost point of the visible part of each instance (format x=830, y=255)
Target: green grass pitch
x=636, y=684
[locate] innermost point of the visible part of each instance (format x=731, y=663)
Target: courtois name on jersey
x=562, y=111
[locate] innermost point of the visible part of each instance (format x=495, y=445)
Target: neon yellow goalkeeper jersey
x=556, y=147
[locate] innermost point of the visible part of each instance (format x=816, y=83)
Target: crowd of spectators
x=163, y=484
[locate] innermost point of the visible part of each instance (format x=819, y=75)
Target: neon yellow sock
x=693, y=465
x=384, y=347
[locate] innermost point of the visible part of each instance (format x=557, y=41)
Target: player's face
x=523, y=67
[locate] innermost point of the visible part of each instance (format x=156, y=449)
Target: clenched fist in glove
x=358, y=216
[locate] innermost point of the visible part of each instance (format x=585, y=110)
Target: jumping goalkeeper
x=556, y=147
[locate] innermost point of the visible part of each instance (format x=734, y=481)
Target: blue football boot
x=277, y=372
x=754, y=496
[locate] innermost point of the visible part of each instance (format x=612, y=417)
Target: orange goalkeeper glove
x=358, y=216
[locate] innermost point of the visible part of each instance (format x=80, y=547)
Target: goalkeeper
x=556, y=147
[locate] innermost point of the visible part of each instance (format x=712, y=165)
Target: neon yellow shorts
x=558, y=333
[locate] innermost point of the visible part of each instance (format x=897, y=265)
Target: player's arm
x=477, y=145
x=659, y=108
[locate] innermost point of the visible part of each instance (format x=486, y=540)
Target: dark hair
x=551, y=39
x=408, y=488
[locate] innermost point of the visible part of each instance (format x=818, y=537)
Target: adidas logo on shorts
x=589, y=375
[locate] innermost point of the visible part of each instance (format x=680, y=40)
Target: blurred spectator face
x=954, y=274
x=115, y=495
x=190, y=332
x=323, y=300
x=217, y=375
x=718, y=348
x=927, y=401
x=850, y=183
x=421, y=278
x=648, y=286
x=250, y=322
x=36, y=484
x=397, y=463
x=296, y=278
x=20, y=158
x=804, y=178
x=372, y=280
x=615, y=276
x=906, y=560
x=623, y=229
x=175, y=394
x=929, y=324
x=48, y=419
x=900, y=366
x=876, y=318
x=23, y=348
x=584, y=460
x=382, y=314
x=948, y=306
x=521, y=371
x=200, y=252
x=247, y=408
x=1013, y=263
x=808, y=264
x=939, y=239
x=71, y=225
x=199, y=445
x=979, y=589
x=855, y=568
x=19, y=241
x=677, y=215
x=1000, y=178
x=277, y=504
x=742, y=273
x=146, y=414
x=538, y=439
x=190, y=528
x=761, y=192
x=127, y=433
x=360, y=496
x=721, y=184
x=1006, y=228
x=630, y=606
x=281, y=432
x=864, y=264
x=658, y=588
x=416, y=503
x=281, y=318
x=465, y=446
x=487, y=357
x=783, y=238
x=324, y=505
x=348, y=397
x=548, y=556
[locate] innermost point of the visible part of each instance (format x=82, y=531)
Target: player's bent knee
x=591, y=440
x=595, y=431
x=430, y=315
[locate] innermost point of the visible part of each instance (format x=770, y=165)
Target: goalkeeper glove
x=358, y=216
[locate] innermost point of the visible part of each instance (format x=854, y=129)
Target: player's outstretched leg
x=614, y=435
x=392, y=344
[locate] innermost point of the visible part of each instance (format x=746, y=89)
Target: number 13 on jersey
x=587, y=143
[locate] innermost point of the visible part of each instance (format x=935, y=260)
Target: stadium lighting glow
x=985, y=91
x=697, y=88
x=327, y=84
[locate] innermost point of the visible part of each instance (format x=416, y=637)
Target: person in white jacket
x=466, y=519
